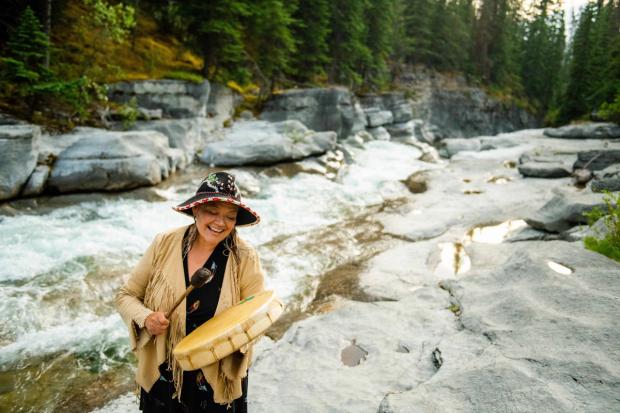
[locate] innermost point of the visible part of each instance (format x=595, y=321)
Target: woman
x=163, y=274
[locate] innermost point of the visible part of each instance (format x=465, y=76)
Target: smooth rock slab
x=533, y=340
x=564, y=211
x=18, y=157
x=453, y=146
x=264, y=143
x=37, y=180
x=597, y=159
x=585, y=131
x=543, y=170
x=111, y=161
x=378, y=118
x=607, y=179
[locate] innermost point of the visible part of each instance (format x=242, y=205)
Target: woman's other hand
x=156, y=323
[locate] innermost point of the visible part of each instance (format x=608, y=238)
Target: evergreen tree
x=216, y=31
x=311, y=29
x=417, y=15
x=27, y=49
x=268, y=41
x=380, y=20
x=543, y=53
x=348, y=51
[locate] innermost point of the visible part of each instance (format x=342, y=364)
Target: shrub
x=611, y=111
x=610, y=244
x=183, y=75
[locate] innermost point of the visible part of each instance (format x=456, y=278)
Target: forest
x=60, y=53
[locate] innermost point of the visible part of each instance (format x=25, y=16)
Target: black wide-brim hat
x=220, y=187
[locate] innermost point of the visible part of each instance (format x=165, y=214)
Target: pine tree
x=348, y=51
x=417, y=16
x=215, y=28
x=543, y=53
x=27, y=49
x=268, y=41
x=380, y=20
x=311, y=29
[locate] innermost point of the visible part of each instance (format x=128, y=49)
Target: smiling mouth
x=217, y=231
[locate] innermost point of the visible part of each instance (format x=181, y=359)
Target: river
x=62, y=344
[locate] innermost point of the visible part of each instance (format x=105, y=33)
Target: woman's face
x=215, y=221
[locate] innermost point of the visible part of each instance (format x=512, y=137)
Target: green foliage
x=310, y=29
x=26, y=50
x=610, y=244
x=129, y=113
x=113, y=22
x=611, y=111
x=348, y=50
x=77, y=95
x=182, y=75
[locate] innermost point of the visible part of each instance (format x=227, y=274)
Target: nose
x=220, y=220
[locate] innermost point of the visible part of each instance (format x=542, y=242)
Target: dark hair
x=230, y=242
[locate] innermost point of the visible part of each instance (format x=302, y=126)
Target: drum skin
x=228, y=331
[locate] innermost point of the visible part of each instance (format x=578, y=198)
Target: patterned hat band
x=220, y=187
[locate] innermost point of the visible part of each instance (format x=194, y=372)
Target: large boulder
x=176, y=98
x=544, y=170
x=18, y=157
x=585, y=131
x=453, y=146
x=264, y=143
x=564, y=211
x=100, y=160
x=597, y=159
x=184, y=134
x=607, y=179
x=332, y=109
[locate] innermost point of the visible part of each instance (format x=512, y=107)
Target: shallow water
x=60, y=265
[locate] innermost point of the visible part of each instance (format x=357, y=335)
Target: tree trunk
x=48, y=31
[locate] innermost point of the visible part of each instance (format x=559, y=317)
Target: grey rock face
x=564, y=211
x=585, y=131
x=175, y=98
x=397, y=130
x=376, y=117
x=456, y=145
x=334, y=109
x=263, y=143
x=18, y=157
x=543, y=170
x=394, y=102
x=597, y=160
x=36, y=182
x=222, y=102
x=183, y=134
x=110, y=161
x=379, y=133
x=607, y=179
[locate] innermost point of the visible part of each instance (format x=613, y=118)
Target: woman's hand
x=156, y=323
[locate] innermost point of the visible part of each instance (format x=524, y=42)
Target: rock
x=175, y=98
x=100, y=160
x=416, y=183
x=543, y=170
x=263, y=143
x=377, y=117
x=585, y=131
x=453, y=146
x=183, y=134
x=564, y=211
x=222, y=103
x=397, y=130
x=532, y=339
x=332, y=109
x=149, y=114
x=379, y=133
x=393, y=102
x=37, y=180
x=313, y=347
x=461, y=110
x=18, y=157
x=607, y=179
x=495, y=142
x=597, y=159
x=426, y=132
x=246, y=115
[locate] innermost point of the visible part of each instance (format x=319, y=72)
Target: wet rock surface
x=18, y=157
x=585, y=131
x=263, y=143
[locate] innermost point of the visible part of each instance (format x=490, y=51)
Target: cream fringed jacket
x=155, y=284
